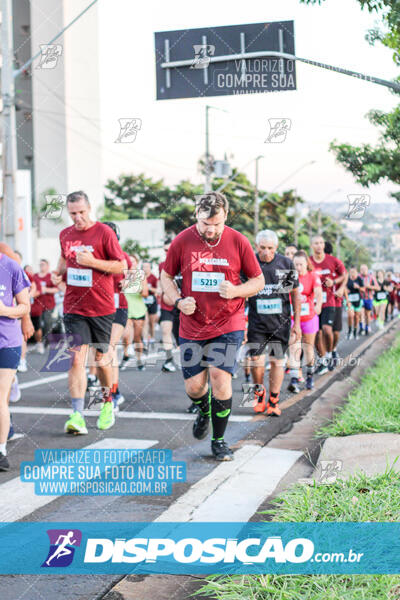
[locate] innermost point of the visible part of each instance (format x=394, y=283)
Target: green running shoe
x=76, y=424
x=106, y=418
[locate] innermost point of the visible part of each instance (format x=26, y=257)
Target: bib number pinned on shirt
x=79, y=277
x=206, y=282
x=269, y=307
x=305, y=310
x=354, y=297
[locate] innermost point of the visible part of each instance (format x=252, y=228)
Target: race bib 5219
x=206, y=282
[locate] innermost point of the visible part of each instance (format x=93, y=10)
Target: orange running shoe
x=260, y=394
x=273, y=409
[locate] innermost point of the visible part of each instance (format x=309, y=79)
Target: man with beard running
x=210, y=257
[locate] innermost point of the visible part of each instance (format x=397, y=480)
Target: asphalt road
x=148, y=393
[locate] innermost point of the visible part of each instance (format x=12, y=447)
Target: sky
x=326, y=105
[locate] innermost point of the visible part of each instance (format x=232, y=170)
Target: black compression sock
x=220, y=411
x=203, y=403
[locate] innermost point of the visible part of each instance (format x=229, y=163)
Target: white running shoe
x=15, y=392
x=22, y=367
x=40, y=348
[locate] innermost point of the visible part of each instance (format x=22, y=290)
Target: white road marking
x=51, y=378
x=233, y=491
x=43, y=410
x=19, y=499
x=42, y=381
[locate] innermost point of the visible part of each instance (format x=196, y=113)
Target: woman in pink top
x=310, y=289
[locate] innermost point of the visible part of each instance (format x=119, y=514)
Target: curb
x=133, y=587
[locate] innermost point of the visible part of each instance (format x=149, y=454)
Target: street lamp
x=207, y=184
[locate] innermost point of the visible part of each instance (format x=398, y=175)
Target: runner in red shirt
x=36, y=308
x=167, y=317
x=310, y=289
x=117, y=330
x=339, y=293
x=370, y=286
x=90, y=255
x=332, y=273
x=210, y=257
x=151, y=303
x=46, y=298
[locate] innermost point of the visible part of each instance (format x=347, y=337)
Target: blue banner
x=200, y=548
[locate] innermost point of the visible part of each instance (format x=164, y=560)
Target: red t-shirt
x=36, y=306
x=339, y=300
x=307, y=284
x=163, y=305
x=368, y=280
x=46, y=300
x=329, y=267
x=119, y=296
x=89, y=292
x=203, y=268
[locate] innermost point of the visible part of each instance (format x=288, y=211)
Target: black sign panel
x=203, y=77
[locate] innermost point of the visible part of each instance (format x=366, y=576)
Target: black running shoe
x=220, y=450
x=200, y=426
x=309, y=382
x=4, y=464
x=124, y=362
x=294, y=385
x=321, y=369
x=193, y=408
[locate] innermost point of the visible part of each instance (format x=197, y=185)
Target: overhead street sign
x=229, y=60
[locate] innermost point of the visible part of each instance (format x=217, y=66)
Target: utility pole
x=319, y=221
x=8, y=126
x=256, y=203
x=207, y=184
x=296, y=223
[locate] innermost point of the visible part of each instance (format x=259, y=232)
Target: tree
x=373, y=164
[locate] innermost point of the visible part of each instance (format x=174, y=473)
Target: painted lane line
x=51, y=378
x=43, y=410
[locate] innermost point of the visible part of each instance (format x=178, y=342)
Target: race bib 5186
x=79, y=277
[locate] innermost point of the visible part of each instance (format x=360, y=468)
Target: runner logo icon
x=62, y=547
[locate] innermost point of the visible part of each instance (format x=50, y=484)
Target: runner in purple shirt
x=13, y=286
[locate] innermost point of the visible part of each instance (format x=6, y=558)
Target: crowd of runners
x=232, y=311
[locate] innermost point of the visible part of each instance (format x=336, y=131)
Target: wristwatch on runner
x=177, y=301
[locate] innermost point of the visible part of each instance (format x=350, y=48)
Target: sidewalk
x=293, y=435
